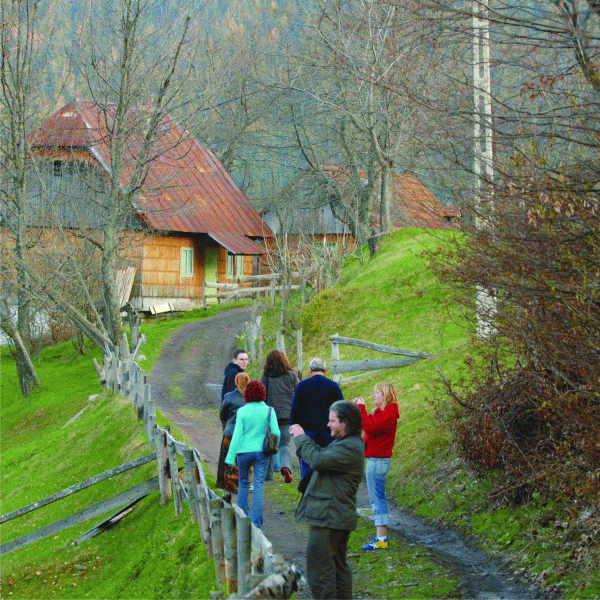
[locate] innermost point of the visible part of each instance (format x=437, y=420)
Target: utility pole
x=483, y=169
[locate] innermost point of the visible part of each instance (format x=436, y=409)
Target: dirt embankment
x=186, y=383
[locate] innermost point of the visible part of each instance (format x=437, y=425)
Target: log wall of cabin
x=161, y=268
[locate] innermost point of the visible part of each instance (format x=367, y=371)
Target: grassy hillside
x=394, y=300
x=152, y=554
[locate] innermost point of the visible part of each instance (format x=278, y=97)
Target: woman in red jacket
x=380, y=434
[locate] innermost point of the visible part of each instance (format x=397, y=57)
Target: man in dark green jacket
x=328, y=505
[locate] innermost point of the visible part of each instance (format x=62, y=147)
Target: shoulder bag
x=270, y=443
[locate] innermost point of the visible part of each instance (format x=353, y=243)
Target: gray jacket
x=280, y=392
x=330, y=498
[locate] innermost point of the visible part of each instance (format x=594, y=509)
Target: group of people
x=333, y=456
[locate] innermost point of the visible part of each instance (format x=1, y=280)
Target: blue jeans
x=261, y=463
x=323, y=439
x=376, y=471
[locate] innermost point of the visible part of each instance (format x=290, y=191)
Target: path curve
x=186, y=382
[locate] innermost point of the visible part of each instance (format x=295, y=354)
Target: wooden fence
x=338, y=366
x=253, y=333
x=244, y=558
x=260, y=286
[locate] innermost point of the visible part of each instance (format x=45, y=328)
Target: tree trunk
x=112, y=317
x=387, y=194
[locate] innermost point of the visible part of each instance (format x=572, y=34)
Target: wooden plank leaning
x=132, y=464
x=143, y=489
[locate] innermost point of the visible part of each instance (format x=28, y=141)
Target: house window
x=187, y=262
x=235, y=266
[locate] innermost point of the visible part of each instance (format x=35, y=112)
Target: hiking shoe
x=287, y=476
x=376, y=544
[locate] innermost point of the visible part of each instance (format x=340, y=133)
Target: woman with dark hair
x=280, y=382
x=227, y=475
x=246, y=446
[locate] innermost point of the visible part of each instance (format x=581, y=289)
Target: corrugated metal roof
x=187, y=189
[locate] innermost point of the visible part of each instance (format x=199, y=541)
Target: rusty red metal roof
x=186, y=189
x=413, y=204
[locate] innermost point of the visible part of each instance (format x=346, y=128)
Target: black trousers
x=327, y=570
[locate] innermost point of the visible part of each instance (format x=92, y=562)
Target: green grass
x=152, y=553
x=403, y=570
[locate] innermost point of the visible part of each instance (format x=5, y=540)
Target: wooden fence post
x=145, y=399
x=190, y=477
x=335, y=355
x=261, y=346
x=159, y=441
x=115, y=371
x=230, y=548
x=244, y=533
x=251, y=341
x=174, y=472
x=124, y=346
x=151, y=426
x=303, y=288
x=299, y=357
x=125, y=370
x=205, y=518
x=203, y=499
x=133, y=387
x=217, y=539
x=280, y=342
x=273, y=287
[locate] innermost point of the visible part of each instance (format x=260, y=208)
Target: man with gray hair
x=310, y=407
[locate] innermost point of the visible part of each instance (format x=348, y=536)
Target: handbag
x=270, y=444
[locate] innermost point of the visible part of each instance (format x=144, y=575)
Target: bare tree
x=140, y=56
x=23, y=25
x=366, y=67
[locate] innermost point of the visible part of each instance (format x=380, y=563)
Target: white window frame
x=186, y=266
x=239, y=265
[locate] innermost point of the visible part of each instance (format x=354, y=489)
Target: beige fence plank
x=230, y=548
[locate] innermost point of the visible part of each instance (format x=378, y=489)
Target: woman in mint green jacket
x=247, y=445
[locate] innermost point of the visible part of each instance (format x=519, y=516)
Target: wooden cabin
x=307, y=220
x=189, y=223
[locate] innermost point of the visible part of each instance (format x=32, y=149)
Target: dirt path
x=186, y=383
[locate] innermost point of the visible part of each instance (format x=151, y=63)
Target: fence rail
x=237, y=290
x=338, y=366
